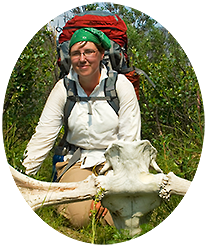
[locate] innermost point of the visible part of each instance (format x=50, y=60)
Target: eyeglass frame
x=92, y=52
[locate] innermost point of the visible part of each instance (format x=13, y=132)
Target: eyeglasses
x=89, y=53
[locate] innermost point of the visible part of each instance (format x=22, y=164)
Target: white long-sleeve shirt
x=93, y=132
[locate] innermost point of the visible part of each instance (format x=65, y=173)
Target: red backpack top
x=111, y=24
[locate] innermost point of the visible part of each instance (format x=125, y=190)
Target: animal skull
x=130, y=190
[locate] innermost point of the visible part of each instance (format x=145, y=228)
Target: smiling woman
x=98, y=126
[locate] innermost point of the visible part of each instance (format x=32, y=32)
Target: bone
x=39, y=193
x=173, y=184
x=155, y=166
x=129, y=190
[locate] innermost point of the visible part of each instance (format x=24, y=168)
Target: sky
x=44, y=13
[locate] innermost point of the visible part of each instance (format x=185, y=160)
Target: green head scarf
x=90, y=35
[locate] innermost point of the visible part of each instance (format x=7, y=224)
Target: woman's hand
x=100, y=210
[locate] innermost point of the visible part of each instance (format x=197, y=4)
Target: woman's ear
x=102, y=55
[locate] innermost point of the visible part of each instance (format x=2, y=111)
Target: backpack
x=115, y=58
x=115, y=29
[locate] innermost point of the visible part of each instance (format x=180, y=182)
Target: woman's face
x=85, y=59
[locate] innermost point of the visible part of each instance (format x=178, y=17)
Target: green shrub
x=31, y=81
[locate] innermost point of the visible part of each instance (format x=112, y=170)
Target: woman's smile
x=83, y=66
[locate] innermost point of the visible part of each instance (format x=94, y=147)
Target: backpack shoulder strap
x=71, y=89
x=141, y=72
x=110, y=90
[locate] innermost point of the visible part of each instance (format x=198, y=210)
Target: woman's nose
x=82, y=57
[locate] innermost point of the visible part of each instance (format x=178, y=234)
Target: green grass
x=103, y=234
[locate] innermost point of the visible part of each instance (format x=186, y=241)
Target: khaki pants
x=78, y=212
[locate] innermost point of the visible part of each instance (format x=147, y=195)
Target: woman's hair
x=98, y=46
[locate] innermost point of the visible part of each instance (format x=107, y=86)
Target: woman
x=92, y=131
